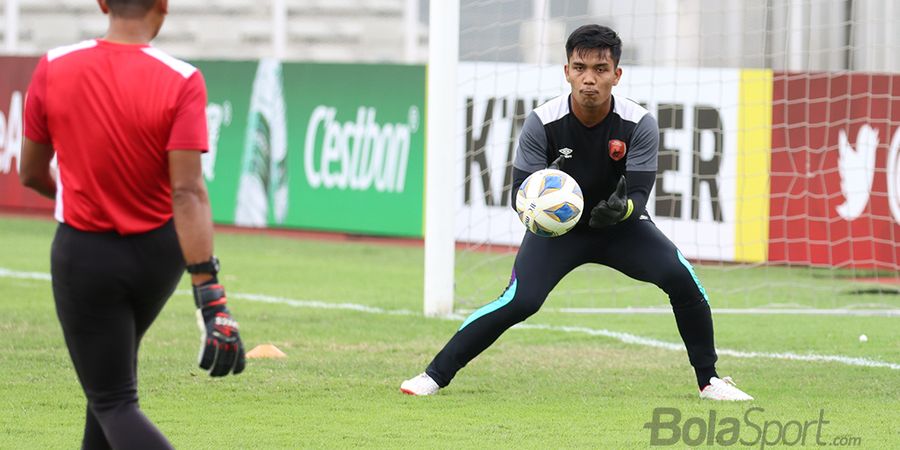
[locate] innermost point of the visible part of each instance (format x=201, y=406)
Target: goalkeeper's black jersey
x=626, y=142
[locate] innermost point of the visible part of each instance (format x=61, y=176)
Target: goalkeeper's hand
x=221, y=349
x=612, y=211
x=557, y=162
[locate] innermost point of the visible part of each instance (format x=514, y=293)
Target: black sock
x=704, y=374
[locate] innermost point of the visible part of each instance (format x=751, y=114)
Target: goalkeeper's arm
x=190, y=207
x=519, y=177
x=639, y=186
x=221, y=351
x=531, y=153
x=642, y=165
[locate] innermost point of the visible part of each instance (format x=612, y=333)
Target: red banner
x=13, y=86
x=835, y=180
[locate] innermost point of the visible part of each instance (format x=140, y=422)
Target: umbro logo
x=564, y=154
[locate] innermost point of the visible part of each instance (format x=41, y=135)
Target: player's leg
x=93, y=433
x=99, y=329
x=161, y=263
x=539, y=265
x=642, y=252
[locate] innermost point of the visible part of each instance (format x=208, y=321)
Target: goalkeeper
x=609, y=145
x=127, y=124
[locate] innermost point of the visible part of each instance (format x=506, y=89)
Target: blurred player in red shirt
x=127, y=124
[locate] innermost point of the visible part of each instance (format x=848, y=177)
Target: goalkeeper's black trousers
x=108, y=290
x=636, y=248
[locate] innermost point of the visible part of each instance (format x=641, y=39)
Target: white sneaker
x=723, y=390
x=420, y=384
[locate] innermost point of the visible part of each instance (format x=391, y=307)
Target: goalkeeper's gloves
x=557, y=163
x=221, y=349
x=612, y=211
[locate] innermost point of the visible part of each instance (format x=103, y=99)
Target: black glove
x=612, y=211
x=557, y=163
x=564, y=154
x=221, y=350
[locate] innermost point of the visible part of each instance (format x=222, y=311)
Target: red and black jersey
x=625, y=142
x=112, y=112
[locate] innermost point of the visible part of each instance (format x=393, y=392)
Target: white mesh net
x=779, y=163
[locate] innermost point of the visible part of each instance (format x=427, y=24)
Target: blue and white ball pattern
x=549, y=202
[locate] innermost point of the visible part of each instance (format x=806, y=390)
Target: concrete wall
x=317, y=30
x=777, y=34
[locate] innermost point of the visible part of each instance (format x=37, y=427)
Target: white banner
x=696, y=185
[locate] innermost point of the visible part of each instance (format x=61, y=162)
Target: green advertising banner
x=335, y=147
x=229, y=85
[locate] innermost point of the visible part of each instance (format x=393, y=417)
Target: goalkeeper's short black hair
x=587, y=38
x=130, y=8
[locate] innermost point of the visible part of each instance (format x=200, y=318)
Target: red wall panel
x=16, y=74
x=809, y=113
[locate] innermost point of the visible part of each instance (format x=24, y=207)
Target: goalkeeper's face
x=592, y=75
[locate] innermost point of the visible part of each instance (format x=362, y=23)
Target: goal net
x=779, y=159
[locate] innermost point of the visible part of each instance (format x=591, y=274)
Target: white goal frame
x=441, y=144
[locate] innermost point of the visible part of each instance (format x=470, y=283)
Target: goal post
x=441, y=156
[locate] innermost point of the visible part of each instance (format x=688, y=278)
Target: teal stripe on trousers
x=504, y=299
x=690, y=269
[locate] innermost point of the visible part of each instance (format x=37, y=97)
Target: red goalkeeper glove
x=221, y=350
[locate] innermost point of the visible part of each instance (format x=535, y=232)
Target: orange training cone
x=266, y=351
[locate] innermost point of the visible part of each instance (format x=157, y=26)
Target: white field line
x=649, y=342
x=626, y=338
x=6, y=273
x=315, y=304
x=760, y=311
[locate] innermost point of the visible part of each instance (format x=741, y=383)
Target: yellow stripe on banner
x=754, y=159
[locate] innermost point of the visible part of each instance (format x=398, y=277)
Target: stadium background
x=756, y=100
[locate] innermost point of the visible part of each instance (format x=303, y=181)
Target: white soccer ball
x=549, y=202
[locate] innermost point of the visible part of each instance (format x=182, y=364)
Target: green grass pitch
x=535, y=388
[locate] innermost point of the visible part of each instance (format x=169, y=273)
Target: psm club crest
x=616, y=149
